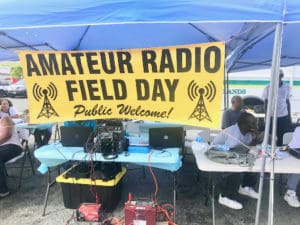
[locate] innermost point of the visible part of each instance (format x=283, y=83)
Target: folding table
x=286, y=165
x=55, y=154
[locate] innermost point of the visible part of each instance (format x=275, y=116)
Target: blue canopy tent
x=115, y=24
x=249, y=29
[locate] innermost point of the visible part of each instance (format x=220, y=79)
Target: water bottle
x=222, y=148
x=199, y=139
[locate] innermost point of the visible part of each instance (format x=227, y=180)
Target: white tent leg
x=273, y=83
x=279, y=28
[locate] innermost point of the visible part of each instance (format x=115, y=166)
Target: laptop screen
x=166, y=137
x=75, y=136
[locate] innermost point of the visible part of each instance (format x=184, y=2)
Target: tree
x=16, y=72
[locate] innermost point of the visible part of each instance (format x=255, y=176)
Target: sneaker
x=2, y=195
x=229, y=203
x=248, y=191
x=291, y=198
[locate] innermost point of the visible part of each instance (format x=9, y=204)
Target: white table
x=290, y=164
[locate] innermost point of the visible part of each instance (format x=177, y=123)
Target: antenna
x=209, y=92
x=39, y=93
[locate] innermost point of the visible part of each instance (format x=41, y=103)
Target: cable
x=71, y=218
x=113, y=221
x=92, y=168
x=159, y=207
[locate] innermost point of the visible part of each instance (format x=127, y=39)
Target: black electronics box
x=78, y=187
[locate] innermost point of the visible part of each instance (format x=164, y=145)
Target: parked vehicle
x=252, y=83
x=17, y=89
x=4, y=84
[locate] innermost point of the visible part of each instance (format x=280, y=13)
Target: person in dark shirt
x=231, y=116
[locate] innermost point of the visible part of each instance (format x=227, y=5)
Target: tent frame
x=272, y=97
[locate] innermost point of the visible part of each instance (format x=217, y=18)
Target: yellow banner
x=178, y=84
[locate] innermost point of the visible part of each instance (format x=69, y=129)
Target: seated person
x=241, y=133
x=7, y=109
x=231, y=116
x=293, y=179
x=10, y=147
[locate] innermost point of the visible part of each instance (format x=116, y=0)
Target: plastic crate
x=77, y=191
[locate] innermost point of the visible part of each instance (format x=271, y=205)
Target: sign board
x=178, y=84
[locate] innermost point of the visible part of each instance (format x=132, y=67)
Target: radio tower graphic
x=209, y=92
x=46, y=93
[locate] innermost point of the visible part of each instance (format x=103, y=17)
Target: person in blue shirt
x=83, y=123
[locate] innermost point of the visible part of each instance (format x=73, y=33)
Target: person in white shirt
x=283, y=108
x=10, y=147
x=7, y=109
x=293, y=179
x=241, y=133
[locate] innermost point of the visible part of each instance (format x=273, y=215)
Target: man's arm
x=288, y=104
x=266, y=105
x=220, y=139
x=225, y=120
x=265, y=98
x=13, y=113
x=6, y=129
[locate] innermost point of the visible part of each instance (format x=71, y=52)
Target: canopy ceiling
x=246, y=26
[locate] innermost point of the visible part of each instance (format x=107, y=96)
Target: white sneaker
x=291, y=198
x=248, y=191
x=229, y=203
x=2, y=195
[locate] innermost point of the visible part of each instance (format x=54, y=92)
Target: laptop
x=75, y=136
x=166, y=137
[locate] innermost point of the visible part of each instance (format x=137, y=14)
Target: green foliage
x=16, y=72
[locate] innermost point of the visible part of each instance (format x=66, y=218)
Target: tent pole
x=279, y=28
x=274, y=76
x=226, y=90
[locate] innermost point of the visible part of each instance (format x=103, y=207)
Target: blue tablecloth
x=42, y=126
x=56, y=154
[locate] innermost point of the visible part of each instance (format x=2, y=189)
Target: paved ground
x=24, y=205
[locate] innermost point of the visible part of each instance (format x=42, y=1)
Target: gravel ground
x=24, y=205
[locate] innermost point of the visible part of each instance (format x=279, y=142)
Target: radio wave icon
x=40, y=93
x=208, y=92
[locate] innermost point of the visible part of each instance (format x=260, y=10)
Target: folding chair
x=24, y=136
